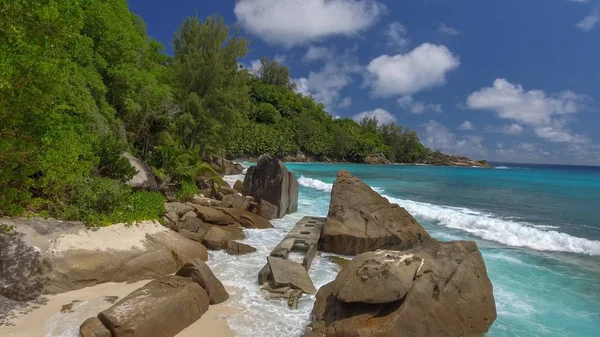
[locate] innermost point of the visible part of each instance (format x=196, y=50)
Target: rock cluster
x=441, y=159
x=378, y=158
x=216, y=224
x=271, y=181
x=403, y=282
x=226, y=166
x=161, y=308
x=50, y=256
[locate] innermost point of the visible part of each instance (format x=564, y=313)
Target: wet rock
x=251, y=220
x=238, y=248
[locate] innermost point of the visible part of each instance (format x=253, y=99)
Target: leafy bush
x=265, y=113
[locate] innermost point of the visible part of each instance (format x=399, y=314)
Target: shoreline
x=61, y=314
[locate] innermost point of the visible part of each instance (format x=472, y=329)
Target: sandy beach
x=48, y=320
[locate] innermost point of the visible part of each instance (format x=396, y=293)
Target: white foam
x=231, y=179
x=323, y=186
x=315, y=183
x=501, y=167
x=507, y=232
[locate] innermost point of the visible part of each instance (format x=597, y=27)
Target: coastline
x=39, y=320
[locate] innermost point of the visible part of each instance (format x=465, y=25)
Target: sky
x=510, y=80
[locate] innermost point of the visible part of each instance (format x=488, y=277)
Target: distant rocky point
x=440, y=159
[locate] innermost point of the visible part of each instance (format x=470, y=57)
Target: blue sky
x=511, y=80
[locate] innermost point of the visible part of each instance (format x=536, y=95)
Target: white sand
x=47, y=320
x=116, y=238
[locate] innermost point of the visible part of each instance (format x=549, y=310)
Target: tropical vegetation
x=81, y=82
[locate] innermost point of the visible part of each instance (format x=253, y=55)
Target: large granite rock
x=236, y=201
x=50, y=256
x=162, y=308
x=144, y=179
x=270, y=180
x=361, y=220
x=449, y=294
x=199, y=271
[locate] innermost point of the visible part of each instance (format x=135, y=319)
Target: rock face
x=198, y=271
x=144, y=178
x=92, y=327
x=267, y=210
x=361, y=220
x=437, y=289
x=238, y=248
x=162, y=308
x=270, y=180
x=441, y=159
x=377, y=277
x=50, y=256
x=378, y=158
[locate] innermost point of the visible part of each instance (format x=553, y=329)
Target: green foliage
x=205, y=70
x=265, y=113
x=273, y=73
x=81, y=82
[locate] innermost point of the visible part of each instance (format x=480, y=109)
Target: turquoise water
x=538, y=228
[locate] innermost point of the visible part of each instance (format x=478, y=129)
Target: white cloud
x=422, y=68
x=548, y=114
x=383, y=116
x=588, y=23
x=280, y=58
x=416, y=107
x=512, y=129
x=579, y=1
x=397, y=35
x=560, y=135
x=326, y=84
x=444, y=29
x=508, y=129
x=346, y=102
x=439, y=137
x=466, y=126
x=317, y=53
x=295, y=22
x=255, y=67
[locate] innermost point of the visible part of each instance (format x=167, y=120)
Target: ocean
x=538, y=227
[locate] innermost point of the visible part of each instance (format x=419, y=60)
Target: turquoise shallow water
x=538, y=228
